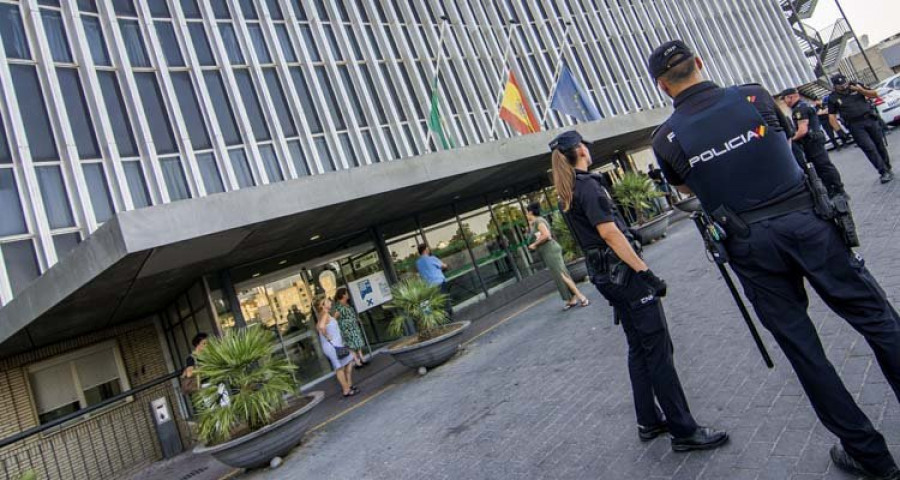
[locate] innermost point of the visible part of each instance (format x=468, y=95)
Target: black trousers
x=817, y=155
x=772, y=264
x=650, y=362
x=869, y=135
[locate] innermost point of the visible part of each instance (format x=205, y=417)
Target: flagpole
x=505, y=70
x=559, y=64
x=437, y=71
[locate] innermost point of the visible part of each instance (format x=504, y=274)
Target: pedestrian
x=634, y=292
x=810, y=136
x=190, y=381
x=833, y=136
x=348, y=321
x=552, y=255
x=333, y=347
x=431, y=269
x=850, y=100
x=775, y=241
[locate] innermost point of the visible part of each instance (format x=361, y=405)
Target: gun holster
x=606, y=262
x=731, y=222
x=843, y=217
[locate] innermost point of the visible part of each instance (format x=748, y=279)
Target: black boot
x=845, y=462
x=704, y=438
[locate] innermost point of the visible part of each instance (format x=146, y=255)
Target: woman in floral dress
x=349, y=323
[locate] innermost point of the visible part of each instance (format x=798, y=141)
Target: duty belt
x=797, y=203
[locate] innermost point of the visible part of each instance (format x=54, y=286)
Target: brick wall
x=107, y=443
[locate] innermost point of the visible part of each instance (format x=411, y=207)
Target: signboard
x=160, y=410
x=369, y=292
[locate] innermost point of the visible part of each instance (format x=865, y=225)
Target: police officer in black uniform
x=718, y=145
x=634, y=292
x=851, y=101
x=810, y=136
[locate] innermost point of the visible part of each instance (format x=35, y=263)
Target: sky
x=877, y=18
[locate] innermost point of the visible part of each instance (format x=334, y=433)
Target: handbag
x=341, y=352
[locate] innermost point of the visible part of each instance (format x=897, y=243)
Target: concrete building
x=169, y=167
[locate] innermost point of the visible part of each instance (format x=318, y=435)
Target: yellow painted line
x=354, y=407
x=508, y=318
x=232, y=474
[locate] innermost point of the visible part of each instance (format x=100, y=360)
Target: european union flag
x=570, y=98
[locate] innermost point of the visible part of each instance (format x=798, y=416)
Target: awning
x=141, y=259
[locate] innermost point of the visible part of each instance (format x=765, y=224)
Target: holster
x=605, y=262
x=734, y=225
x=844, y=219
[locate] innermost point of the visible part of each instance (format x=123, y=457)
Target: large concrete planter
x=689, y=205
x=430, y=353
x=257, y=448
x=652, y=230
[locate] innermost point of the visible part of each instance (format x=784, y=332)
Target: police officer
x=810, y=136
x=822, y=112
x=634, y=292
x=717, y=145
x=851, y=101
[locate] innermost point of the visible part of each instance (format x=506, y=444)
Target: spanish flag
x=515, y=110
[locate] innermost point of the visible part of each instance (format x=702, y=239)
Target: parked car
x=888, y=101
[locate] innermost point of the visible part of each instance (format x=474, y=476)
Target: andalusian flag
x=436, y=121
x=514, y=108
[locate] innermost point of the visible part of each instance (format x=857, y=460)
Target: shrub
x=417, y=301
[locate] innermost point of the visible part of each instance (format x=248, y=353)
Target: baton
x=720, y=262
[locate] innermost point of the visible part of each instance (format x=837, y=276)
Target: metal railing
x=97, y=442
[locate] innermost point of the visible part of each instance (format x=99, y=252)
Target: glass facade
x=166, y=101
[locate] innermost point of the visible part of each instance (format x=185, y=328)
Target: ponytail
x=563, y=178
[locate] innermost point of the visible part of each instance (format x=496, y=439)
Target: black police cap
x=667, y=56
x=786, y=92
x=839, y=79
x=567, y=141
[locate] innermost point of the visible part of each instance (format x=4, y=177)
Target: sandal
x=569, y=306
x=351, y=393
x=354, y=389
x=585, y=302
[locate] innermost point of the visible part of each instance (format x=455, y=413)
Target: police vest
x=734, y=160
x=814, y=124
x=851, y=105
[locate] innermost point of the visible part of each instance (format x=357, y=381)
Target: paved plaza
x=546, y=394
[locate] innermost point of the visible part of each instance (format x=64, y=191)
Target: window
x=13, y=32
x=34, y=113
x=21, y=264
x=220, y=9
x=324, y=154
x=330, y=98
x=210, y=173
x=65, y=243
x=274, y=10
x=12, y=219
x=259, y=43
x=53, y=192
x=5, y=154
x=87, y=5
x=298, y=158
x=310, y=43
x=280, y=102
x=169, y=42
x=229, y=39
x=224, y=113
x=190, y=8
x=347, y=150
x=158, y=8
x=249, y=10
x=77, y=380
x=95, y=40
x=77, y=113
x=155, y=110
x=118, y=116
x=312, y=117
x=124, y=7
x=251, y=104
x=201, y=45
x=241, y=168
x=98, y=190
x=176, y=184
x=134, y=43
x=56, y=36
x=285, y=40
x=137, y=184
x=270, y=162
x=190, y=110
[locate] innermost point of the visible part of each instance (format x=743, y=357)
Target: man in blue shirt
x=431, y=269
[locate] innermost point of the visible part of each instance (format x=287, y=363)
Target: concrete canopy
x=141, y=259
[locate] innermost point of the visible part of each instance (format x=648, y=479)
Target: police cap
x=838, y=79
x=567, y=141
x=667, y=56
x=786, y=92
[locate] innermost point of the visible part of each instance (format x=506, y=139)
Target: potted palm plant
x=248, y=410
x=635, y=192
x=423, y=305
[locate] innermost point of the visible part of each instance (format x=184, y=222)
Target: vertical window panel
x=98, y=190
x=330, y=98
x=274, y=10
x=5, y=154
x=333, y=43
x=134, y=43
x=34, y=113
x=309, y=108
x=285, y=41
x=298, y=158
x=158, y=8
x=280, y=102
x=190, y=110
x=324, y=154
x=53, y=193
x=56, y=36
x=65, y=243
x=12, y=218
x=230, y=41
x=379, y=109
x=347, y=150
x=21, y=264
x=87, y=5
x=299, y=10
x=124, y=7
x=190, y=8
x=370, y=146
x=310, y=43
x=212, y=180
x=137, y=184
x=352, y=96
x=169, y=43
x=241, y=168
x=13, y=32
x=221, y=105
x=220, y=9
x=155, y=111
x=118, y=116
x=270, y=162
x=176, y=183
x=252, y=105
x=259, y=43
x=96, y=42
x=249, y=10
x=201, y=44
x=77, y=113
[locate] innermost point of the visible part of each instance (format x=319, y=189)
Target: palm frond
x=417, y=301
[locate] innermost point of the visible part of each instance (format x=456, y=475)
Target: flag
x=515, y=110
x=436, y=121
x=571, y=99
